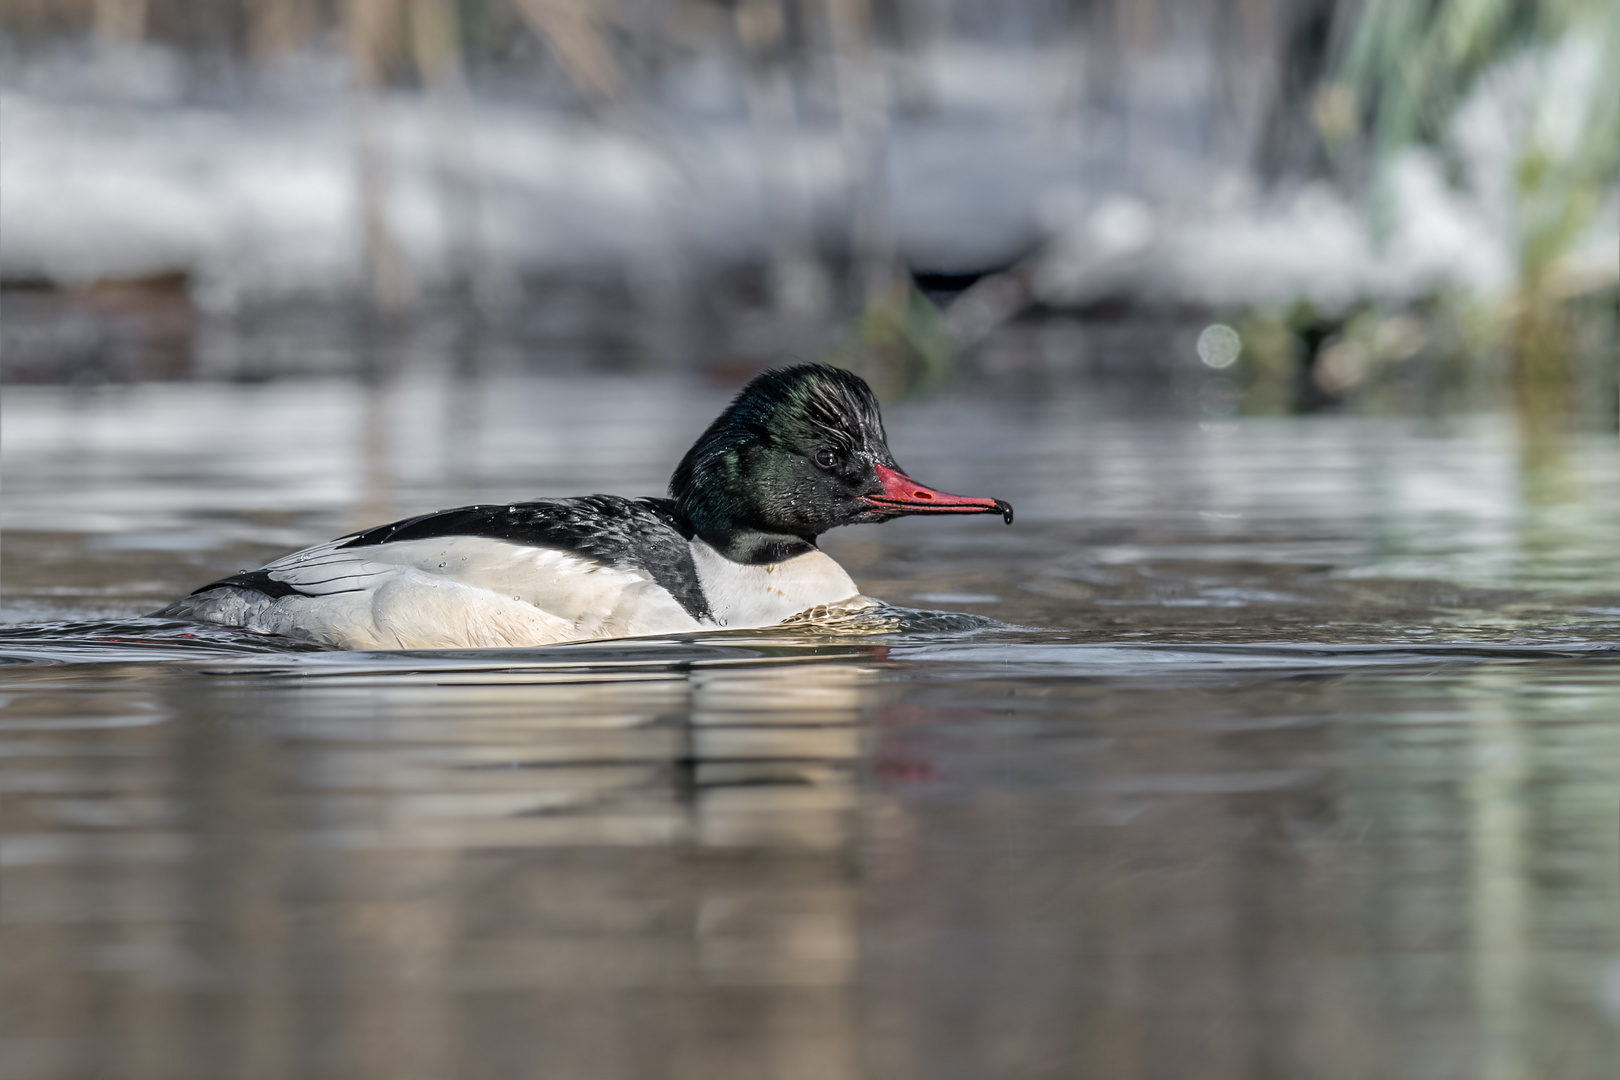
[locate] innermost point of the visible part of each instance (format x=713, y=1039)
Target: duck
x=800, y=450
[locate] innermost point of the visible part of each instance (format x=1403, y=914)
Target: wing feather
x=524, y=574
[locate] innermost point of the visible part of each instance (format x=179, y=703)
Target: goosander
x=799, y=451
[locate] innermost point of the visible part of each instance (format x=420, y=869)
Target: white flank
x=462, y=592
x=465, y=592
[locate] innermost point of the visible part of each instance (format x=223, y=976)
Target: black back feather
x=643, y=534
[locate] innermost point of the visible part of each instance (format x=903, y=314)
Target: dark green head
x=799, y=451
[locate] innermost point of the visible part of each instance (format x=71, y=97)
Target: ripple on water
x=949, y=644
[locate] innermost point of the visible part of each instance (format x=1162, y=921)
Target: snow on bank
x=1308, y=242
x=261, y=202
x=1240, y=246
x=251, y=203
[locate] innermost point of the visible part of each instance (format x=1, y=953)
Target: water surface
x=1254, y=748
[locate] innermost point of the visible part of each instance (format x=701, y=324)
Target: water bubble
x=1219, y=346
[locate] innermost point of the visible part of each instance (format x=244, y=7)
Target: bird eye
x=827, y=459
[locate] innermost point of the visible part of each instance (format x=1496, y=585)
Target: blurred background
x=1277, y=738
x=1398, y=207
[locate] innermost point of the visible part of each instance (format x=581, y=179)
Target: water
x=1253, y=749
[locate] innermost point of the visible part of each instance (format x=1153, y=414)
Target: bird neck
x=753, y=547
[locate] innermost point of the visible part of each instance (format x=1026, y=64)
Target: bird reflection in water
x=653, y=869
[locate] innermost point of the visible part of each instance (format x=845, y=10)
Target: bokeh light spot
x=1219, y=346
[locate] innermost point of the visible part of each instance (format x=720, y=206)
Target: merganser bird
x=799, y=451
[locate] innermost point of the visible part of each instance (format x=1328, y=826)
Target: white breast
x=754, y=596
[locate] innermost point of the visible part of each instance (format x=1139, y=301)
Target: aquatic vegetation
x=900, y=344
x=1522, y=102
